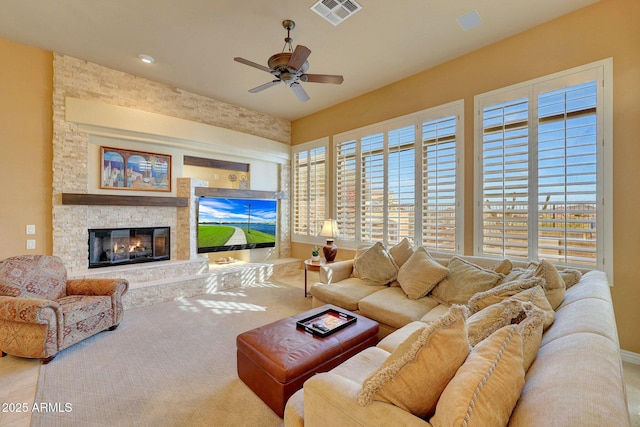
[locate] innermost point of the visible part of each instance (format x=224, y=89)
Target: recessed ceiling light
x=470, y=20
x=147, y=59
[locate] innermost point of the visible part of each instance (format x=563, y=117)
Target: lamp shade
x=329, y=228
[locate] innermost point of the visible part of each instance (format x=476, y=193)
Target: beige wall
x=608, y=28
x=25, y=147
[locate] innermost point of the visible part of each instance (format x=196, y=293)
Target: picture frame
x=122, y=169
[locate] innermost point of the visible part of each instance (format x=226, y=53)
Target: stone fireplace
x=94, y=106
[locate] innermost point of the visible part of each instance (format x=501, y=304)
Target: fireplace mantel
x=116, y=200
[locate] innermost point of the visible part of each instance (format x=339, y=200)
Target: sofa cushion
x=501, y=292
x=580, y=373
x=360, y=366
x=346, y=293
x=375, y=266
x=401, y=251
x=415, y=374
x=420, y=274
x=76, y=308
x=486, y=388
x=463, y=281
x=528, y=317
x=393, y=340
x=392, y=307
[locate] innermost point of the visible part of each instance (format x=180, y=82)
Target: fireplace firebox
x=117, y=246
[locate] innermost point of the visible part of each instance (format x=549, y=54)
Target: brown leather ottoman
x=276, y=359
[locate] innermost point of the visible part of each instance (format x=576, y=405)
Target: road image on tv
x=226, y=224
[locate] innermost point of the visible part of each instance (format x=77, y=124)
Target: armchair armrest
x=29, y=310
x=335, y=272
x=331, y=399
x=97, y=287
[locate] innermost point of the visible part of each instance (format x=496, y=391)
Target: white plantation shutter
x=439, y=196
x=346, y=189
x=397, y=178
x=401, y=181
x=545, y=169
x=309, y=205
x=300, y=219
x=505, y=159
x=567, y=174
x=372, y=188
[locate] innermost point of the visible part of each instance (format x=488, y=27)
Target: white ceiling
x=194, y=41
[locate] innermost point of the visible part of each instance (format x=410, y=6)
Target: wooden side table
x=310, y=265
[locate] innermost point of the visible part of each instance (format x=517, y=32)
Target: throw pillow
x=400, y=252
x=464, y=280
x=375, y=266
x=502, y=291
x=528, y=317
x=420, y=274
x=503, y=267
x=570, y=276
x=537, y=297
x=554, y=286
x=415, y=374
x=487, y=386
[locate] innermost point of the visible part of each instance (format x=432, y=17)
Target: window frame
x=308, y=147
x=603, y=70
x=454, y=108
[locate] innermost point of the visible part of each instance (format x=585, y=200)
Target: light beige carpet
x=170, y=364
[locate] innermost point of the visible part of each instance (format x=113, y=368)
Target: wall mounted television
x=229, y=224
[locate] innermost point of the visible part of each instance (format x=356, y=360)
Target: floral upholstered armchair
x=42, y=313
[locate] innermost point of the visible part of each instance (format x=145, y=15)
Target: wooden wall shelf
x=116, y=200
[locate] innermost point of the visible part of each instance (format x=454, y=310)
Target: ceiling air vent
x=336, y=11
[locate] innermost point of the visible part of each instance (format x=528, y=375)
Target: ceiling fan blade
x=264, y=86
x=298, y=57
x=300, y=92
x=252, y=64
x=322, y=78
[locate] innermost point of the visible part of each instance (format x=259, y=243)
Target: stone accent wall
x=81, y=79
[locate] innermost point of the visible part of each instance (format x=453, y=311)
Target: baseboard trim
x=628, y=356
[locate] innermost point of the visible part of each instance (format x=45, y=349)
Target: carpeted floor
x=170, y=364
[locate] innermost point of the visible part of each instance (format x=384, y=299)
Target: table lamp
x=329, y=230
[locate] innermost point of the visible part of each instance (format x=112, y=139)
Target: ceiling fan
x=290, y=67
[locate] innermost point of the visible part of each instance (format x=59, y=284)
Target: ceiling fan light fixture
x=147, y=59
x=336, y=11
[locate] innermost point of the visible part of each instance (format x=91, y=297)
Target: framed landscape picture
x=134, y=170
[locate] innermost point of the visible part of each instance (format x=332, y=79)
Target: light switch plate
x=31, y=229
x=31, y=244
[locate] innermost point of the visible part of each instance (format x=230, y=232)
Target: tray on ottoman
x=274, y=360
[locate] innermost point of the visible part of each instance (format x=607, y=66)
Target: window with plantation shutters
x=505, y=179
x=372, y=188
x=309, y=203
x=439, y=183
x=544, y=176
x=399, y=179
x=346, y=184
x=567, y=174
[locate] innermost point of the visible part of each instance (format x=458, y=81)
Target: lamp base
x=330, y=250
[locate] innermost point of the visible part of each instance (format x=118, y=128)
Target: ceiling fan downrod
x=288, y=25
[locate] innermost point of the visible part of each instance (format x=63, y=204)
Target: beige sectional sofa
x=575, y=379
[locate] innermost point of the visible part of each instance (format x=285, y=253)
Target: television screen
x=229, y=224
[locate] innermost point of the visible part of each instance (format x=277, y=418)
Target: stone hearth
x=169, y=280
